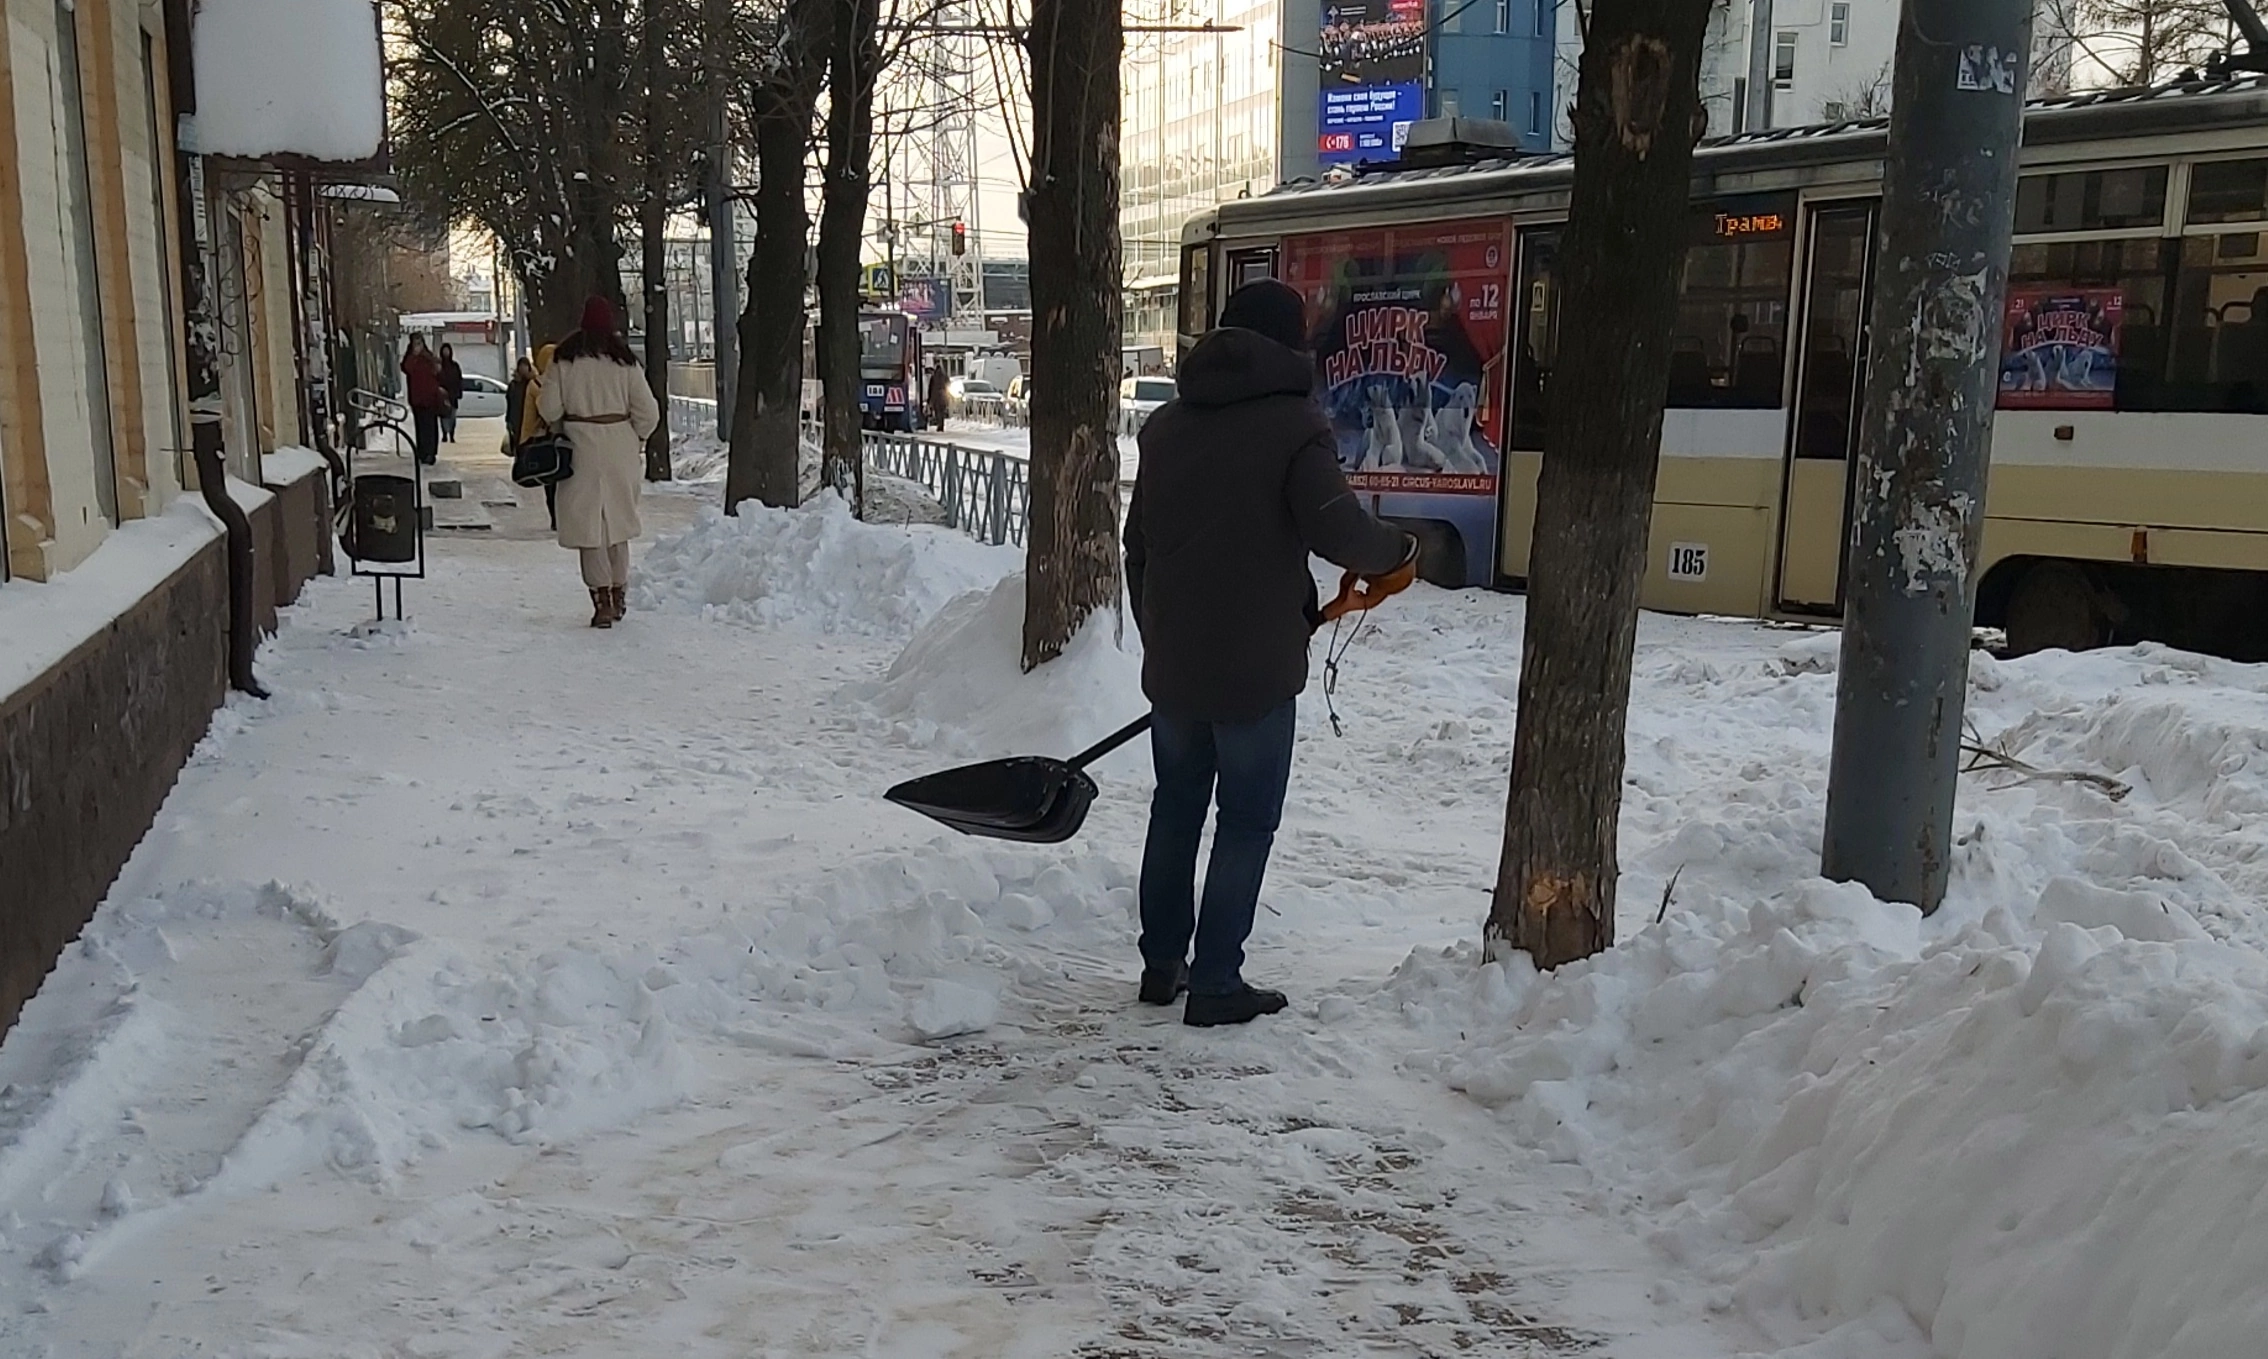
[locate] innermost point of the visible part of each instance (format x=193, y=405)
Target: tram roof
x=2094, y=115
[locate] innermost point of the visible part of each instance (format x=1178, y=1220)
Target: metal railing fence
x=986, y=493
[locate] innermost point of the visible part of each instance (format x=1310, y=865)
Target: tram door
x=1823, y=437
x=1535, y=349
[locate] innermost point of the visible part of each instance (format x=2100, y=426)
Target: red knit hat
x=598, y=316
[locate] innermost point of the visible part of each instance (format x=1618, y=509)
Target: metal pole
x=1758, y=115
x=724, y=290
x=1948, y=207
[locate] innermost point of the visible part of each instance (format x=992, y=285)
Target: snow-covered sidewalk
x=502, y=988
x=505, y=988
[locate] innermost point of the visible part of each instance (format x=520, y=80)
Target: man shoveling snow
x=1239, y=484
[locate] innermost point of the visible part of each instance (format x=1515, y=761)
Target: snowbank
x=817, y=568
x=289, y=77
x=44, y=622
x=409, y=1045
x=960, y=687
x=2037, y=1128
x=697, y=463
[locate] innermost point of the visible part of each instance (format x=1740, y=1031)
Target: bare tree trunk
x=555, y=308
x=855, y=65
x=1071, y=554
x=764, y=459
x=1637, y=115
x=653, y=228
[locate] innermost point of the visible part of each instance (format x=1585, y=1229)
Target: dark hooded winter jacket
x=1239, y=482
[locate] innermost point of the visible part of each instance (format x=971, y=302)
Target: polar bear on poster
x=1425, y=436
x=1454, y=436
x=1382, y=446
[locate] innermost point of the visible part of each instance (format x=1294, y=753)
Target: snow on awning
x=289, y=78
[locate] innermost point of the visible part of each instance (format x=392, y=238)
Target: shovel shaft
x=1111, y=742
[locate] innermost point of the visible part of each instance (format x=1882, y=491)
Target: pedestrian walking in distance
x=597, y=393
x=421, y=374
x=452, y=393
x=521, y=423
x=516, y=402
x=1239, y=483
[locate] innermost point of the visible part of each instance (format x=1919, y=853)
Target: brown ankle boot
x=602, y=607
x=619, y=596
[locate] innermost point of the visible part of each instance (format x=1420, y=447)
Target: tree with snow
x=1637, y=115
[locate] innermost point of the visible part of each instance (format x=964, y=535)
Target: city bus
x=2128, y=496
x=889, y=370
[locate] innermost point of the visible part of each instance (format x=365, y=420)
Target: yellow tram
x=2129, y=486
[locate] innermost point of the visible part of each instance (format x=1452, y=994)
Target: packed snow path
x=363, y=1055
x=502, y=987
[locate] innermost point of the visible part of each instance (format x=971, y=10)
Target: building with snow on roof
x=161, y=305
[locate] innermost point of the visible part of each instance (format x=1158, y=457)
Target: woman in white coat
x=598, y=394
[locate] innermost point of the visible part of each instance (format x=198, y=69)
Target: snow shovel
x=1032, y=798
x=1035, y=798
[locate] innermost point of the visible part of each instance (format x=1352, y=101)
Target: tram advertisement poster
x=2059, y=348
x=1412, y=325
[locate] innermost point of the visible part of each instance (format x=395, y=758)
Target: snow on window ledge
x=44, y=622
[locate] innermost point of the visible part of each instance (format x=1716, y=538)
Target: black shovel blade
x=1027, y=797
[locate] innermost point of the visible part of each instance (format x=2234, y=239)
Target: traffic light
x=960, y=238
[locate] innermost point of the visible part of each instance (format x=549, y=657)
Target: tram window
x=2228, y=191
x=2091, y=274
x=1728, y=343
x=2091, y=200
x=1196, y=289
x=2219, y=359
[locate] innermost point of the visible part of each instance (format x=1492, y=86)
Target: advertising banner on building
x=1373, y=67
x=2059, y=348
x=1412, y=329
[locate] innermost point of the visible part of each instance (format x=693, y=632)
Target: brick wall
x=303, y=534
x=89, y=750
x=88, y=753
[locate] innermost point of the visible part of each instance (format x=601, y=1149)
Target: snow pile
x=289, y=77
x=927, y=936
x=815, y=567
x=960, y=687
x=431, y=1043
x=2037, y=1130
x=391, y=1047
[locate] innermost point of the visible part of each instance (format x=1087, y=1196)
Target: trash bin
x=384, y=525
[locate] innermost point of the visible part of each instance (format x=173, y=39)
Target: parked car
x=1138, y=398
x=483, y=399
x=976, y=399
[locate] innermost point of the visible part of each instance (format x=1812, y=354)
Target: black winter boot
x=1240, y=1006
x=1163, y=983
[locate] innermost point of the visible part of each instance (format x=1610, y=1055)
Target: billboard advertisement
x=2059, y=348
x=1412, y=329
x=1373, y=65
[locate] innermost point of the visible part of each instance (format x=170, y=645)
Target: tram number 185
x=1689, y=561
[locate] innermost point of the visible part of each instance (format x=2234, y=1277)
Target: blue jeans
x=1246, y=766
